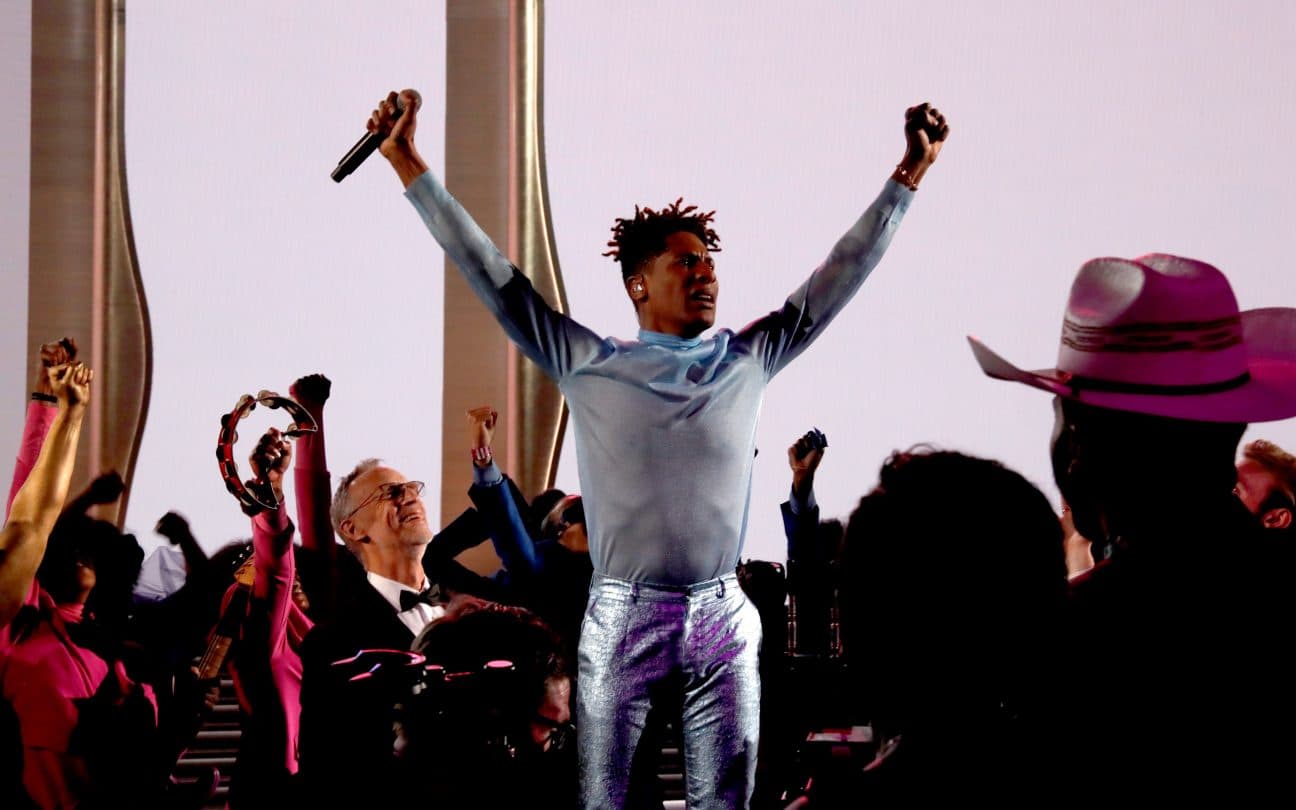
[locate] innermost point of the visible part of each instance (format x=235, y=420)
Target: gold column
x=495, y=167
x=83, y=274
x=541, y=414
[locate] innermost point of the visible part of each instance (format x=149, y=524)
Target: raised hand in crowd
x=55, y=353
x=270, y=459
x=319, y=567
x=803, y=457
x=312, y=391
x=481, y=430
x=105, y=489
x=176, y=530
x=70, y=385
x=499, y=501
x=38, y=502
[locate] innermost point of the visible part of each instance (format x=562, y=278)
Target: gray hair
x=341, y=507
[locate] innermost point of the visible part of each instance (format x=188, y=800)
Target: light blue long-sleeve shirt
x=665, y=427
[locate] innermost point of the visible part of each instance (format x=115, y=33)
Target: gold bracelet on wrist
x=904, y=177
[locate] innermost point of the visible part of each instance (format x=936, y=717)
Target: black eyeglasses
x=572, y=515
x=390, y=492
x=560, y=736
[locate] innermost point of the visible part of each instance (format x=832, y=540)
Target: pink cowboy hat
x=1162, y=335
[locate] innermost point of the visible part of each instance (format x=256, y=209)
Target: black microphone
x=366, y=145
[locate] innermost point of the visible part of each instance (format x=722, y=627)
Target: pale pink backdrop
x=1080, y=129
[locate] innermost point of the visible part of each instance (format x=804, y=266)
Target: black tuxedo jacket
x=346, y=726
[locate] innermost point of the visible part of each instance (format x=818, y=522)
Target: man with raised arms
x=665, y=429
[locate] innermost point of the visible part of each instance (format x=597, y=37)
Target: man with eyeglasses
x=347, y=725
x=388, y=530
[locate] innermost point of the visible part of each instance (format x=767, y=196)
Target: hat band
x=1079, y=384
x=1158, y=338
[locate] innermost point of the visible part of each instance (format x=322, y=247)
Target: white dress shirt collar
x=417, y=617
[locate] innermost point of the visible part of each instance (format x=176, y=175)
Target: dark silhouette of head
x=502, y=707
x=1129, y=475
x=953, y=588
x=86, y=556
x=540, y=507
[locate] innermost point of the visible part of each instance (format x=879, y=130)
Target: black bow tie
x=432, y=596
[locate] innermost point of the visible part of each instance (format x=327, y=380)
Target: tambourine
x=255, y=496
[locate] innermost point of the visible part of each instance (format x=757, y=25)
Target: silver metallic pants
x=693, y=648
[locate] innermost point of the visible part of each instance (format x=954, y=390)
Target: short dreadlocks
x=635, y=241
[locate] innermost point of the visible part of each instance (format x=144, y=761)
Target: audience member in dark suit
x=346, y=731
x=812, y=550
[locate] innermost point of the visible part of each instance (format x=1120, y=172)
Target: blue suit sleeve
x=499, y=506
x=801, y=526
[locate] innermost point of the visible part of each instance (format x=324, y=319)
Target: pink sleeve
x=275, y=566
x=272, y=534
x=314, y=490
x=125, y=684
x=299, y=624
x=40, y=415
x=314, y=497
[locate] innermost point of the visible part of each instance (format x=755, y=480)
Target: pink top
x=43, y=672
x=272, y=534
x=275, y=566
x=311, y=476
x=314, y=493
x=40, y=415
